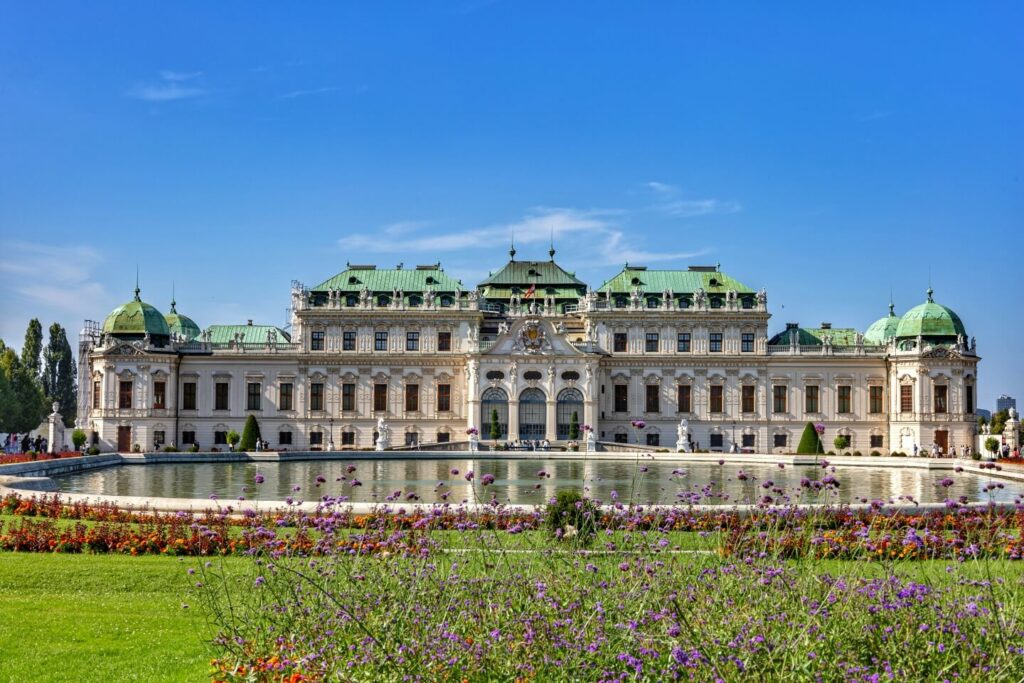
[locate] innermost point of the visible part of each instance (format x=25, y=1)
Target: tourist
x=915, y=450
x=26, y=443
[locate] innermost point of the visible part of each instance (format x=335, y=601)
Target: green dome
x=136, y=318
x=883, y=329
x=181, y=325
x=930, y=320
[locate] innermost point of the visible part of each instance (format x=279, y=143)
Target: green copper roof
x=181, y=324
x=418, y=279
x=135, y=318
x=251, y=334
x=930, y=320
x=883, y=329
x=679, y=281
x=815, y=336
x=525, y=273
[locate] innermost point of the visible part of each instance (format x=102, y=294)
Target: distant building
x=987, y=414
x=1005, y=402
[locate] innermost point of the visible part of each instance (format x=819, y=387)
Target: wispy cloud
x=304, y=93
x=599, y=229
x=671, y=202
x=172, y=86
x=69, y=272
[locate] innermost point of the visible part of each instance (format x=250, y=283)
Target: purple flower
x=259, y=478
x=820, y=428
x=487, y=479
x=470, y=475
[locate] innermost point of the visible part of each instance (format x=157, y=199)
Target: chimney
x=826, y=326
x=250, y=322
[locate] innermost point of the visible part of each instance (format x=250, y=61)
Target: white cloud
x=169, y=89
x=179, y=76
x=672, y=203
x=303, y=93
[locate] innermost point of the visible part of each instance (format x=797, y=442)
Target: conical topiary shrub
x=250, y=433
x=810, y=442
x=574, y=426
x=495, y=425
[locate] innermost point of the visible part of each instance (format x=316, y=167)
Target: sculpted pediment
x=126, y=349
x=532, y=337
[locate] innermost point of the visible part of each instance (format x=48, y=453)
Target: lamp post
x=734, y=436
x=330, y=434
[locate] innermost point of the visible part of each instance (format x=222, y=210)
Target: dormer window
x=351, y=300
x=652, y=302
x=431, y=280
x=383, y=300
x=533, y=271
x=352, y=280
x=415, y=301
x=446, y=301
x=620, y=302
x=713, y=282
x=635, y=281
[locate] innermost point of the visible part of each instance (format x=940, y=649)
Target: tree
x=250, y=434
x=27, y=403
x=810, y=442
x=841, y=441
x=32, y=349
x=992, y=444
x=495, y=425
x=59, y=374
x=574, y=426
x=78, y=438
x=232, y=438
x=998, y=423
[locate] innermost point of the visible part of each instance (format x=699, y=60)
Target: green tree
x=32, y=349
x=78, y=438
x=574, y=426
x=810, y=442
x=59, y=374
x=841, y=442
x=27, y=403
x=998, y=423
x=992, y=444
x=250, y=434
x=232, y=438
x=495, y=425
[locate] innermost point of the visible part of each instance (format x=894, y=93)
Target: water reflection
x=528, y=482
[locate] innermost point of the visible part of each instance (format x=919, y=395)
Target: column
x=513, y=419
x=551, y=426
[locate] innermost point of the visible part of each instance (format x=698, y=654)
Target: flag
x=530, y=291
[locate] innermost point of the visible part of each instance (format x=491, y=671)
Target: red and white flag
x=530, y=292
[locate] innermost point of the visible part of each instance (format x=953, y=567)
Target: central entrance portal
x=532, y=414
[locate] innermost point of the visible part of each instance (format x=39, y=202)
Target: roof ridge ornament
x=137, y=290
x=930, y=292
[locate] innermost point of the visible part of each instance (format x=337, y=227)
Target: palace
x=539, y=348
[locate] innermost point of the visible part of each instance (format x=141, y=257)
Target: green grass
x=82, y=618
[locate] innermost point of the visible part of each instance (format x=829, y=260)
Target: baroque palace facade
x=535, y=344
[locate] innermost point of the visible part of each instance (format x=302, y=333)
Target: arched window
x=532, y=414
x=493, y=399
x=570, y=401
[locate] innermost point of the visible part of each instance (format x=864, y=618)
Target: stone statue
x=700, y=298
x=428, y=298
x=383, y=435
x=513, y=375
x=589, y=370
x=762, y=298
x=560, y=327
x=1012, y=412
x=590, y=331
x=683, y=436
x=590, y=441
x=551, y=380
x=503, y=327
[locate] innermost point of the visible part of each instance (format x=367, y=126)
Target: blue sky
x=827, y=153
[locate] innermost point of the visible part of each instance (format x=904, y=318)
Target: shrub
x=194, y=448
x=810, y=442
x=572, y=517
x=857, y=453
x=992, y=444
x=250, y=433
x=574, y=426
x=233, y=437
x=78, y=438
x=831, y=452
x=136, y=448
x=170, y=449
x=93, y=450
x=841, y=441
x=898, y=454
x=495, y=425
x=875, y=453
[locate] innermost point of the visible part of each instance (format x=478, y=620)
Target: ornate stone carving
x=531, y=339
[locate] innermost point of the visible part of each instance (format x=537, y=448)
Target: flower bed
x=13, y=458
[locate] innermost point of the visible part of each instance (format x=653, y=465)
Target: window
x=159, y=395
x=748, y=440
x=316, y=340
x=779, y=398
x=252, y=395
x=621, y=437
x=941, y=398
x=651, y=342
x=444, y=341
x=412, y=341
x=906, y=398
x=411, y=438
x=159, y=438
x=348, y=396
x=444, y=398
x=619, y=342
x=286, y=401
x=348, y=438
x=875, y=399
x=844, y=398
x=220, y=438
x=124, y=395
x=747, y=342
x=284, y=438
x=96, y=395
x=969, y=399
x=443, y=437
x=779, y=440
x=621, y=398
x=380, y=397
x=877, y=440
x=188, y=437
x=188, y=396
x=684, y=395
x=716, y=302
x=747, y=398
x=652, y=404
x=683, y=342
x=220, y=396
x=811, y=399
x=653, y=439
x=652, y=302
x=316, y=438
x=412, y=397
x=716, y=440
x=380, y=341
x=316, y=396
x=348, y=340
x=715, y=342
x=715, y=398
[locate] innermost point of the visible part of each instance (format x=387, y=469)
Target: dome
x=930, y=320
x=181, y=325
x=136, y=318
x=883, y=329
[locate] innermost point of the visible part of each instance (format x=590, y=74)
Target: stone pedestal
x=55, y=435
x=474, y=444
x=590, y=442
